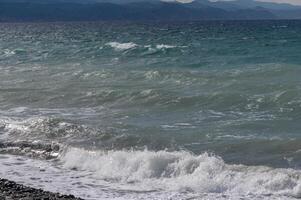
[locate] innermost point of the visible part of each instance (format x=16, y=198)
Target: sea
x=153, y=110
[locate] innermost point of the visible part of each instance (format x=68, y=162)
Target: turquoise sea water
x=117, y=110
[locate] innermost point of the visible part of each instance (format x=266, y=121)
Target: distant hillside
x=92, y=10
x=279, y=10
x=243, y=4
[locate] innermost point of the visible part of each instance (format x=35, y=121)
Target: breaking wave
x=183, y=172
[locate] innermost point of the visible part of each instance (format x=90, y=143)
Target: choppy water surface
x=204, y=110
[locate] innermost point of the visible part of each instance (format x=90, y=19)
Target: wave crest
x=121, y=46
x=183, y=171
x=150, y=48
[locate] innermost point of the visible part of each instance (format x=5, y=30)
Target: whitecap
x=121, y=46
x=9, y=53
x=150, y=75
x=164, y=46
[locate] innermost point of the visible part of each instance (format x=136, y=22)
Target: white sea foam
x=130, y=45
x=40, y=127
x=47, y=175
x=9, y=53
x=164, y=46
x=183, y=171
x=122, y=46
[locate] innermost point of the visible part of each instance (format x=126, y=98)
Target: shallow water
x=151, y=110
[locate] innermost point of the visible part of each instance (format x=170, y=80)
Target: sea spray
x=183, y=171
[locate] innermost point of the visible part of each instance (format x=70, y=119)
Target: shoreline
x=14, y=191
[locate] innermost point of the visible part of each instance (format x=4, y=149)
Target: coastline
x=14, y=191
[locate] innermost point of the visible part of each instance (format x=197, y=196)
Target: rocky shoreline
x=10, y=190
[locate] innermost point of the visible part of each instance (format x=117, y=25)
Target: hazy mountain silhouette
x=80, y=10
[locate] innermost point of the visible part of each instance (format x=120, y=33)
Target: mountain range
x=93, y=10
